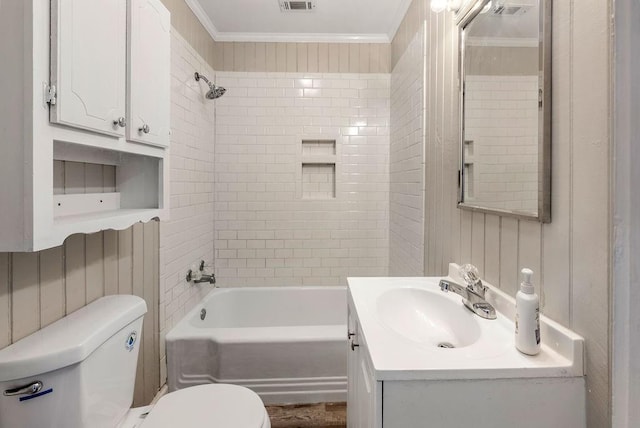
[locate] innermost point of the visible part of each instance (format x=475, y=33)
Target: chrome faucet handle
x=469, y=273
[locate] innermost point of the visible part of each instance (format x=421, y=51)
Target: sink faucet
x=473, y=295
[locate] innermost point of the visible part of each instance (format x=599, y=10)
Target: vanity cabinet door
x=367, y=392
x=352, y=374
x=364, y=395
x=88, y=60
x=148, y=72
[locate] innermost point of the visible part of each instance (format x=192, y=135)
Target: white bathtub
x=288, y=344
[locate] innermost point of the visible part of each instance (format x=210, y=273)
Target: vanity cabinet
x=398, y=382
x=69, y=162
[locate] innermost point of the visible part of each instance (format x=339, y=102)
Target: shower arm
x=199, y=76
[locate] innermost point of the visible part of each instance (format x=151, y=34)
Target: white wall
x=187, y=237
x=406, y=197
x=267, y=232
x=626, y=199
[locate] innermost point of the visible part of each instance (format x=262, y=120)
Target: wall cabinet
x=88, y=57
x=81, y=79
x=147, y=88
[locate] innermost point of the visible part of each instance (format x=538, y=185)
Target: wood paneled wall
x=571, y=256
x=303, y=57
x=37, y=289
x=412, y=22
x=184, y=21
x=278, y=57
x=81, y=177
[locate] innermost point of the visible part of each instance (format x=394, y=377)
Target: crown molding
x=202, y=16
x=302, y=37
x=218, y=36
x=503, y=42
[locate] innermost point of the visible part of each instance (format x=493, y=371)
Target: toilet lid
x=215, y=405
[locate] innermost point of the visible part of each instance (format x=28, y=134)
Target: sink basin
x=402, y=321
x=428, y=318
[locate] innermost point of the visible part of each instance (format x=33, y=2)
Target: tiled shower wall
x=187, y=237
x=406, y=197
x=267, y=233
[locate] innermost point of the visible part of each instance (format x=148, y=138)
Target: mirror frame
x=463, y=19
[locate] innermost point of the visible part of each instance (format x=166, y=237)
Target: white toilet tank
x=78, y=372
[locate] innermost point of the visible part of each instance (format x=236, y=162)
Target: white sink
x=404, y=320
x=428, y=318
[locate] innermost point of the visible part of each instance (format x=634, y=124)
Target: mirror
x=505, y=108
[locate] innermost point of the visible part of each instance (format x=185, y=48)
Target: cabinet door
x=88, y=60
x=364, y=393
x=369, y=405
x=352, y=375
x=148, y=84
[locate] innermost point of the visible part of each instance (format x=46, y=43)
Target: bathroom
x=334, y=153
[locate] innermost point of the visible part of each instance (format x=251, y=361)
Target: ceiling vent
x=297, y=5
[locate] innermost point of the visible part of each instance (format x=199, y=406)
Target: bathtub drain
x=203, y=314
x=445, y=345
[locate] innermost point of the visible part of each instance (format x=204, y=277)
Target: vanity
x=419, y=358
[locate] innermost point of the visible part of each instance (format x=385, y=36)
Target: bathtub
x=288, y=344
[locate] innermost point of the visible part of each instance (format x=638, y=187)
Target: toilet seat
x=214, y=405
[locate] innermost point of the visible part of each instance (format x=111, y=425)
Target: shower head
x=214, y=91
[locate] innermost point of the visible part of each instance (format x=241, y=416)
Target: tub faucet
x=198, y=276
x=473, y=295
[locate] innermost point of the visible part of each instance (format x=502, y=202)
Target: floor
x=323, y=415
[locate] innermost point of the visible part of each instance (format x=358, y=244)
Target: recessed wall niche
x=318, y=169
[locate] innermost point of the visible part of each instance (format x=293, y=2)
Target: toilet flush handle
x=32, y=388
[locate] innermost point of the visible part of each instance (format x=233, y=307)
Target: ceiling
x=521, y=26
x=368, y=21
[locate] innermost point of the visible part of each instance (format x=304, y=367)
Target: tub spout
x=211, y=279
x=199, y=277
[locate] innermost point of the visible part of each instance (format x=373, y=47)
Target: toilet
x=79, y=372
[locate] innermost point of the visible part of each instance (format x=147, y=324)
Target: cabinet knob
x=354, y=345
x=144, y=128
x=121, y=122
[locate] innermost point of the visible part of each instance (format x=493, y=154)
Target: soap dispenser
x=527, y=316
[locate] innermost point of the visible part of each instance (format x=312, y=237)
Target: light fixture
x=454, y=5
x=438, y=6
